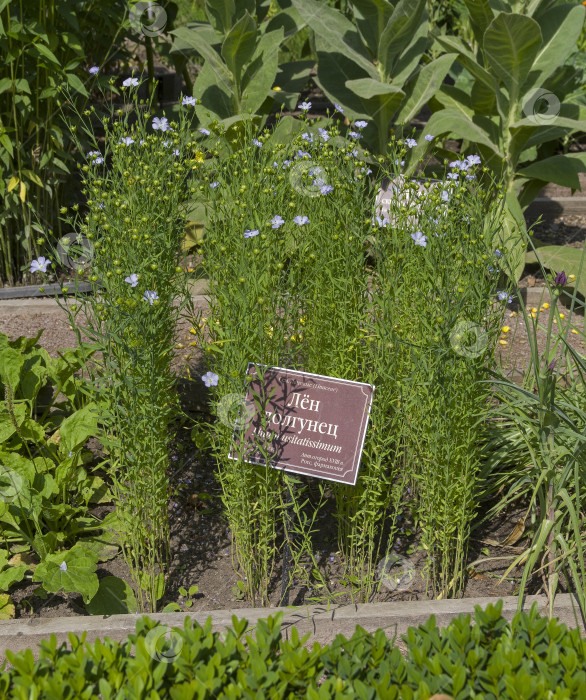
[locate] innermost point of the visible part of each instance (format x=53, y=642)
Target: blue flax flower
x=419, y=238
x=210, y=379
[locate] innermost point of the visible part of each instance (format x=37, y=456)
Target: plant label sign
x=304, y=423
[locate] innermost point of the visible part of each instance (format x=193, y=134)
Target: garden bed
x=200, y=536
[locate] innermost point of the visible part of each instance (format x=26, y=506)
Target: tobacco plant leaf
x=511, y=43
x=97, y=491
x=563, y=170
x=261, y=72
x=239, y=45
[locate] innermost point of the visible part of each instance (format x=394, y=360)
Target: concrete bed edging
x=321, y=621
x=531, y=295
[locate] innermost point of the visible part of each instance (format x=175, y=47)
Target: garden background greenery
x=466, y=111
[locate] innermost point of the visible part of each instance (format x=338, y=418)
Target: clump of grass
x=535, y=455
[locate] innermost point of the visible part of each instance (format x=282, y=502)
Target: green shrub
x=531, y=657
x=44, y=44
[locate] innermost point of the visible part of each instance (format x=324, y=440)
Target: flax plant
x=294, y=229
x=436, y=265
x=131, y=234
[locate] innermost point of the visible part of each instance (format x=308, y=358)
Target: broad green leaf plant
x=374, y=67
x=513, y=101
x=46, y=482
x=240, y=53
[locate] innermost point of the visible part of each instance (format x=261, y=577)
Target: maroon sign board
x=313, y=425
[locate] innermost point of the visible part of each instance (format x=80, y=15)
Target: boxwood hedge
x=531, y=657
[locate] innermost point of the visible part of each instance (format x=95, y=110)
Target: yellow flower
x=574, y=331
x=193, y=344
x=302, y=320
x=546, y=305
x=562, y=315
x=193, y=331
x=504, y=342
x=533, y=310
x=277, y=88
x=506, y=329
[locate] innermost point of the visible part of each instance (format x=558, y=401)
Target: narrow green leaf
x=45, y=52
x=422, y=86
x=76, y=84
